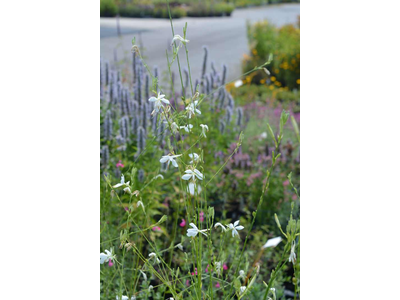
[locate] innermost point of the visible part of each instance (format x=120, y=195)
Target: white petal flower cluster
x=194, y=231
x=170, y=159
x=292, y=256
x=220, y=225
x=153, y=255
x=192, y=109
x=187, y=128
x=192, y=174
x=195, y=158
x=158, y=102
x=105, y=257
x=122, y=183
x=177, y=37
x=204, y=128
x=235, y=227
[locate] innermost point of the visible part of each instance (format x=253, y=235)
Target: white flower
x=150, y=288
x=179, y=246
x=218, y=267
x=122, y=183
x=152, y=254
x=220, y=225
x=140, y=203
x=192, y=174
x=203, y=130
x=187, y=128
x=127, y=190
x=144, y=275
x=242, y=289
x=241, y=274
x=133, y=298
x=177, y=37
x=292, y=256
x=194, y=231
x=195, y=158
x=105, y=257
x=192, y=109
x=238, y=83
x=235, y=228
x=174, y=127
x=123, y=298
x=158, y=102
x=263, y=135
x=272, y=242
x=194, y=188
x=159, y=176
x=170, y=159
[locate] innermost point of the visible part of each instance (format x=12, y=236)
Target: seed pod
x=213, y=68
x=231, y=102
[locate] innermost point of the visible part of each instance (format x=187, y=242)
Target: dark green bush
x=138, y=11
x=108, y=8
x=205, y=10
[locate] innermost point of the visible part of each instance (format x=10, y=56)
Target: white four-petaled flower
x=152, y=254
x=192, y=174
x=235, y=228
x=220, y=225
x=123, y=298
x=194, y=188
x=292, y=256
x=122, y=183
x=192, y=109
x=158, y=102
x=242, y=289
x=177, y=37
x=195, y=158
x=174, y=127
x=187, y=128
x=194, y=230
x=105, y=257
x=204, y=128
x=170, y=159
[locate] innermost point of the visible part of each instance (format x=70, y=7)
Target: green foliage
x=208, y=10
x=139, y=11
x=284, y=44
x=108, y=8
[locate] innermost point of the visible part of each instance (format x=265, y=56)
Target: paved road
x=225, y=37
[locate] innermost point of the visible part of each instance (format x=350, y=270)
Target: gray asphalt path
x=225, y=37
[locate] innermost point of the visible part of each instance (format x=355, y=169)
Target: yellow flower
x=271, y=87
x=273, y=78
x=298, y=81
x=254, y=51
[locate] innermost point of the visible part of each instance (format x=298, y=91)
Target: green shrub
x=284, y=44
x=206, y=10
x=108, y=8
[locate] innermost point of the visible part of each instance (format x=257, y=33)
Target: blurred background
x=223, y=26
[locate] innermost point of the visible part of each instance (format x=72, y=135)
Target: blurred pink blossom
x=217, y=285
x=156, y=228
x=183, y=223
x=110, y=263
x=201, y=216
x=119, y=165
x=225, y=267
